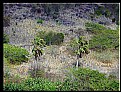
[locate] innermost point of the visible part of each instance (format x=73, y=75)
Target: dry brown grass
x=104, y=59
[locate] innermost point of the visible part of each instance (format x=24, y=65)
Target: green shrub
x=15, y=54
x=5, y=38
x=101, y=10
x=107, y=13
x=40, y=21
x=93, y=80
x=13, y=87
x=94, y=27
x=31, y=84
x=83, y=79
x=51, y=38
x=57, y=39
x=105, y=39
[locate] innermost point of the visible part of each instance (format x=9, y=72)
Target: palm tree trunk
x=77, y=63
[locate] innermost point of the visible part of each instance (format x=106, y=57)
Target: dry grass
x=106, y=58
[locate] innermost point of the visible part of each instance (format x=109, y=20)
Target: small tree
x=38, y=45
x=80, y=46
x=5, y=38
x=37, y=49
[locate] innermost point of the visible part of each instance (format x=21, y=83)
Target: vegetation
x=94, y=80
x=40, y=21
x=15, y=54
x=83, y=79
x=104, y=40
x=37, y=75
x=5, y=38
x=38, y=47
x=6, y=21
x=80, y=46
x=106, y=56
x=94, y=27
x=51, y=38
x=102, y=11
x=57, y=39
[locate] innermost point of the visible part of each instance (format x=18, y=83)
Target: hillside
x=23, y=22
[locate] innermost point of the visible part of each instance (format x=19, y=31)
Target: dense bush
x=51, y=38
x=104, y=40
x=93, y=80
x=31, y=84
x=94, y=27
x=5, y=38
x=40, y=21
x=57, y=39
x=15, y=54
x=83, y=79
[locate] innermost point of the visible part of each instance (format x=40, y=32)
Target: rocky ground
x=54, y=61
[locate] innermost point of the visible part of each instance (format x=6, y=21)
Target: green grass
x=105, y=39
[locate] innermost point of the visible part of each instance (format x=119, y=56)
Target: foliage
x=5, y=38
x=51, y=38
x=15, y=54
x=83, y=79
x=102, y=11
x=6, y=21
x=57, y=39
x=13, y=87
x=38, y=47
x=104, y=40
x=40, y=21
x=38, y=44
x=107, y=13
x=94, y=27
x=94, y=80
x=31, y=84
x=80, y=45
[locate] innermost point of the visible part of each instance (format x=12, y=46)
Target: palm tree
x=38, y=45
x=37, y=50
x=80, y=46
